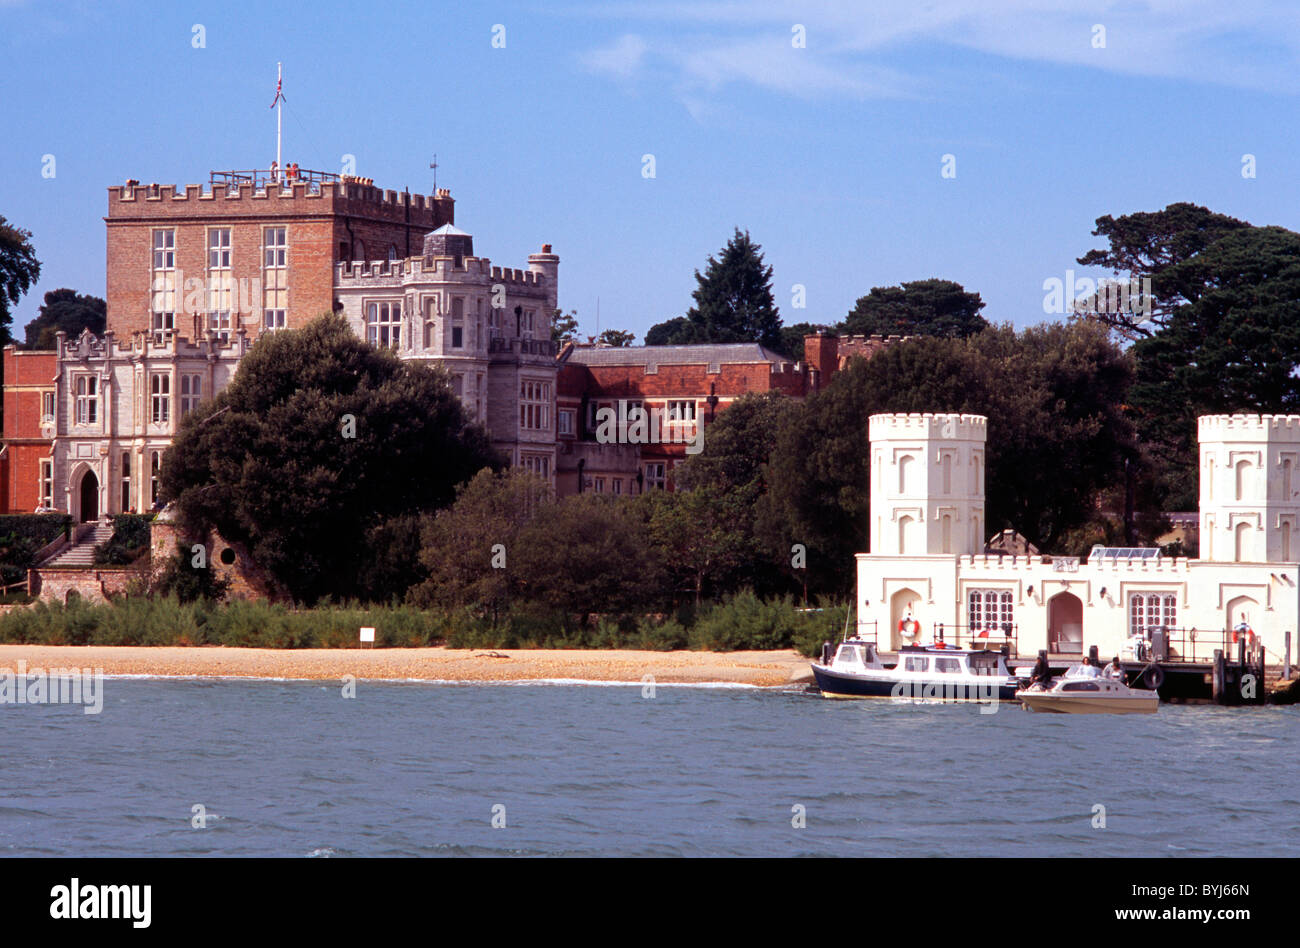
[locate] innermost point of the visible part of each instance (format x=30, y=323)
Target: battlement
x=1246, y=427
x=939, y=426
x=244, y=192
x=417, y=269
x=88, y=347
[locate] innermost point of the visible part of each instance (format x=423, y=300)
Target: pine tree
x=733, y=302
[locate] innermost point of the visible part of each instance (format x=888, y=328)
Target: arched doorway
x=89, y=496
x=1065, y=624
x=1242, y=609
x=903, y=603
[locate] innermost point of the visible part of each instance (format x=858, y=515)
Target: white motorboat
x=1083, y=690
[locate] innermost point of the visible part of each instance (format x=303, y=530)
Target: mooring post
x=1217, y=677
x=1093, y=657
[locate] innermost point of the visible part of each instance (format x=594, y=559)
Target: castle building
x=195, y=275
x=928, y=559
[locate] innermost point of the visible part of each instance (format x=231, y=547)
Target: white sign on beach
x=367, y=634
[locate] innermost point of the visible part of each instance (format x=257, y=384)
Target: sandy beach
x=766, y=669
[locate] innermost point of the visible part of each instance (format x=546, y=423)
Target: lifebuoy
x=1243, y=631
x=909, y=628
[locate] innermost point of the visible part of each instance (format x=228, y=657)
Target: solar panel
x=1124, y=552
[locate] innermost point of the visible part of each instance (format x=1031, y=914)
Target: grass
x=740, y=623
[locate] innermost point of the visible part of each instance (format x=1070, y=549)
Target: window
x=655, y=475
x=618, y=486
x=948, y=666
x=534, y=405
x=847, y=654
x=275, y=278
x=191, y=393
x=47, y=408
x=155, y=466
x=564, y=423
x=163, y=301
x=990, y=610
x=47, y=483
x=126, y=481
x=528, y=324
x=384, y=324
x=598, y=485
x=275, y=249
x=1151, y=610
x=457, y=322
x=164, y=250
x=219, y=248
x=160, y=398
x=917, y=663
x=681, y=411
x=219, y=322
x=87, y=389
x=536, y=463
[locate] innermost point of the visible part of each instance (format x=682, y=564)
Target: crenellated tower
x=927, y=483
x=1250, y=494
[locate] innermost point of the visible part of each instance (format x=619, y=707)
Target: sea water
x=284, y=768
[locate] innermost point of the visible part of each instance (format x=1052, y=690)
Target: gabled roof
x=729, y=353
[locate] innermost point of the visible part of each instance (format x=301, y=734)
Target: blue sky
x=830, y=155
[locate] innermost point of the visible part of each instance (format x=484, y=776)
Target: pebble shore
x=766, y=669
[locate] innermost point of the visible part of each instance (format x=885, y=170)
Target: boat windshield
x=1083, y=671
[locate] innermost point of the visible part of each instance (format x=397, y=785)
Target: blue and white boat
x=923, y=673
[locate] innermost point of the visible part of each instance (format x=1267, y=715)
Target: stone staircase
x=82, y=553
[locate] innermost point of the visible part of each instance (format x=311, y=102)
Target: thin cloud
x=1253, y=45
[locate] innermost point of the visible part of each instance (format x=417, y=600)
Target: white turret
x=927, y=483
x=1250, y=492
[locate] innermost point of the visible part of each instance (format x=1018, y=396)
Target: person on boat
x=1113, y=670
x=1087, y=669
x=1042, y=674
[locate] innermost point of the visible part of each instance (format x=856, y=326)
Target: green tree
x=1057, y=437
x=618, y=338
x=67, y=311
x=587, y=554
x=564, y=326
x=920, y=308
x=1232, y=346
x=702, y=532
x=673, y=332
x=1149, y=244
x=19, y=269
x=318, y=439
x=733, y=301
x=470, y=548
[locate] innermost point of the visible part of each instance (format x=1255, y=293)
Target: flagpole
x=279, y=77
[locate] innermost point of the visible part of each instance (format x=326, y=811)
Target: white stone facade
x=1060, y=603
x=117, y=408
x=489, y=327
